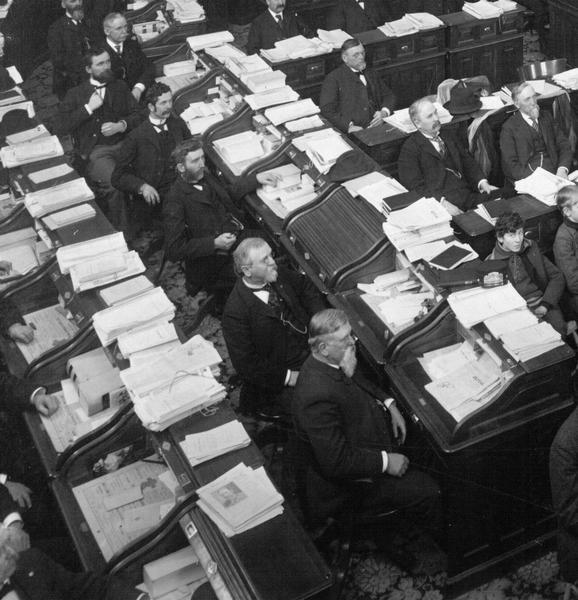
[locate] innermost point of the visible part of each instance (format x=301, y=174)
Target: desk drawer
x=512, y=22
x=464, y=34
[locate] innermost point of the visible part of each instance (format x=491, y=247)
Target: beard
x=193, y=177
x=77, y=14
x=348, y=363
x=105, y=77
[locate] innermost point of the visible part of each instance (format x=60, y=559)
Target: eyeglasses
x=348, y=340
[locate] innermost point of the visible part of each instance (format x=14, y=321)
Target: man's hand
x=562, y=172
x=136, y=93
x=20, y=493
x=225, y=241
x=353, y=128
x=21, y=333
x=397, y=424
x=150, y=195
x=45, y=404
x=5, y=267
x=377, y=119
x=293, y=379
x=109, y=129
x=95, y=101
x=18, y=539
x=540, y=311
x=397, y=464
x=271, y=179
x=485, y=187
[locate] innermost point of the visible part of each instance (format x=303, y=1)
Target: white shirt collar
x=156, y=121
x=528, y=119
x=72, y=18
x=253, y=286
x=113, y=45
x=274, y=15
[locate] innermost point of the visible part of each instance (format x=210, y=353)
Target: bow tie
x=99, y=87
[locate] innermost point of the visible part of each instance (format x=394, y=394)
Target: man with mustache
x=274, y=25
x=351, y=434
x=68, y=40
x=98, y=113
x=531, y=138
x=435, y=164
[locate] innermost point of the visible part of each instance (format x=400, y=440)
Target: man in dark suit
x=265, y=327
x=202, y=222
x=434, y=163
x=68, y=40
x=98, y=113
x=128, y=62
x=143, y=165
x=351, y=434
x=274, y=25
x=353, y=97
x=354, y=17
x=531, y=138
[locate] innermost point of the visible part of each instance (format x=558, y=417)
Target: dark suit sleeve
x=386, y=97
x=134, y=115
x=309, y=297
x=56, y=47
x=513, y=167
x=336, y=17
x=566, y=259
x=7, y=505
x=470, y=167
x=123, y=177
x=409, y=170
x=144, y=67
x=72, y=112
x=330, y=102
x=9, y=315
x=556, y=283
x=565, y=154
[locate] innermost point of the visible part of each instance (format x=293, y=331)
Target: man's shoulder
x=236, y=304
x=515, y=121
x=413, y=140
x=260, y=20
x=58, y=24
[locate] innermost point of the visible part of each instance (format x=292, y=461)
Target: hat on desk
x=463, y=100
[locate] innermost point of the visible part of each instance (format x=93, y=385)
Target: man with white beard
x=350, y=434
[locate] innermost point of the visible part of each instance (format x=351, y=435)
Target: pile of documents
x=140, y=345
x=452, y=255
x=296, y=47
x=240, y=499
x=400, y=118
x=208, y=40
x=240, y=147
x=224, y=52
x=567, y=79
x=205, y=445
x=148, y=307
x=291, y=111
x=115, y=294
x=411, y=23
x=28, y=135
x=179, y=67
x=57, y=197
x=291, y=192
x=335, y=37
x=186, y=11
x=151, y=29
x=405, y=309
x=174, y=384
x=543, y=185
x=323, y=147
x=478, y=304
x=482, y=9
x=423, y=221
x=271, y=97
x=245, y=65
x=304, y=123
x=32, y=151
x=199, y=116
x=262, y=81
x=107, y=268
x=375, y=187
x=73, y=254
x=68, y=216
x=18, y=248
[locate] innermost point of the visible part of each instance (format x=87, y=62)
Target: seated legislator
x=350, y=435
x=265, y=327
x=143, y=165
x=353, y=97
x=531, y=138
x=435, y=164
x=274, y=25
x=68, y=39
x=128, y=62
x=355, y=16
x=566, y=242
x=98, y=113
x=201, y=221
x=535, y=278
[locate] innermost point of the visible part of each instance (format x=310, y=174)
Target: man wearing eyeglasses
x=351, y=434
x=265, y=327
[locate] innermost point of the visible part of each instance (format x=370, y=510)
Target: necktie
x=279, y=18
x=100, y=90
x=362, y=78
x=118, y=49
x=535, y=125
x=441, y=145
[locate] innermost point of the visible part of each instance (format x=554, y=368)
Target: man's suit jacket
x=67, y=44
x=349, y=16
x=265, y=30
x=119, y=105
x=38, y=577
x=140, y=161
x=255, y=336
x=132, y=66
x=345, y=99
x=422, y=169
x=517, y=145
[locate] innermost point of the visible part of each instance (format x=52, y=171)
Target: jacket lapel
x=427, y=146
x=249, y=296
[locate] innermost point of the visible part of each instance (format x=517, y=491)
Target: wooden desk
x=172, y=38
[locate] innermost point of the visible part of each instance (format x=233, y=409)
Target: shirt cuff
x=385, y=461
x=3, y=478
x=480, y=184
x=38, y=390
x=88, y=109
x=139, y=86
x=287, y=377
x=386, y=110
x=143, y=596
x=566, y=169
x=12, y=518
x=388, y=402
x=125, y=125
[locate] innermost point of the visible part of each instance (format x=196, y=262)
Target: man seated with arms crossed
x=351, y=435
x=265, y=327
x=202, y=222
x=531, y=138
x=98, y=113
x=535, y=278
x=435, y=164
x=353, y=97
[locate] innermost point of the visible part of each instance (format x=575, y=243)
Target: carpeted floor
x=372, y=576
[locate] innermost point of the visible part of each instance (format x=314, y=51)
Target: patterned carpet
x=372, y=576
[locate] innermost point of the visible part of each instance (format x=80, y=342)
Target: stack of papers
x=291, y=111
x=240, y=499
x=73, y=254
x=115, y=294
x=510, y=321
x=150, y=29
x=179, y=67
x=199, y=116
x=423, y=221
x=411, y=23
x=17, y=248
x=271, y=97
x=482, y=9
x=567, y=79
x=296, y=47
x=323, y=147
x=291, y=192
x=404, y=310
x=161, y=336
x=186, y=11
x=224, y=52
x=59, y=219
x=244, y=65
x=107, y=268
x=478, y=304
x=505, y=5
x=304, y=123
x=424, y=21
x=240, y=147
x=400, y=118
x=335, y=37
x=375, y=187
x=149, y=307
x=531, y=341
x=28, y=135
x=390, y=284
x=543, y=185
x=263, y=81
x=59, y=196
x=32, y=151
x=203, y=446
x=208, y=40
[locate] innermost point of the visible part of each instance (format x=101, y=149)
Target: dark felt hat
x=463, y=100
